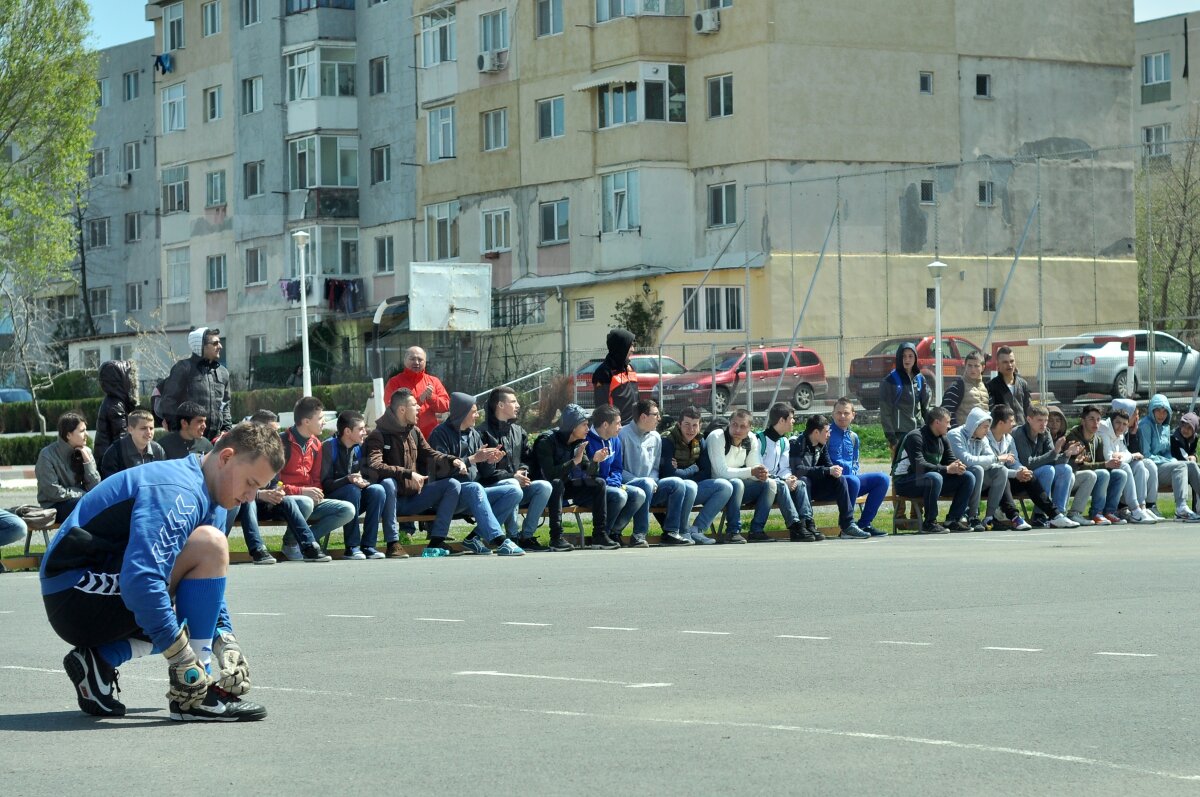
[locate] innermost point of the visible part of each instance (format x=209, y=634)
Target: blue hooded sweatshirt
x=610, y=469
x=1155, y=437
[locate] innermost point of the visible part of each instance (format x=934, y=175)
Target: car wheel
x=721, y=400
x=1120, y=385
x=802, y=399
x=869, y=403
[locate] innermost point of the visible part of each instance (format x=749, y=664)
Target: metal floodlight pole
x=377, y=378
x=936, y=269
x=1011, y=270
x=301, y=237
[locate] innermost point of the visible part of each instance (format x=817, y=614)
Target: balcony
x=331, y=203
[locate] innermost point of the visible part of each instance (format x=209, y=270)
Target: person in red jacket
x=429, y=391
x=615, y=381
x=301, y=480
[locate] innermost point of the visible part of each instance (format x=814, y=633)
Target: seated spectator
x=1002, y=444
x=301, y=480
x=1049, y=461
x=1112, y=433
x=66, y=469
x=1056, y=424
x=1154, y=433
x=559, y=457
x=923, y=467
x=1134, y=444
x=967, y=392
x=844, y=447
x=1109, y=481
x=623, y=500
x=189, y=437
x=641, y=450
x=1008, y=387
x=502, y=432
x=458, y=437
x=682, y=451
x=733, y=454
x=118, y=380
x=137, y=447
x=12, y=529
x=969, y=444
x=1183, y=447
x=826, y=480
x=342, y=479
x=791, y=492
x=269, y=503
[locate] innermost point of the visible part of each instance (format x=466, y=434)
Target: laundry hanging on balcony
x=290, y=288
x=344, y=296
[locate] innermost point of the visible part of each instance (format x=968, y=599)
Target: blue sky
x=120, y=21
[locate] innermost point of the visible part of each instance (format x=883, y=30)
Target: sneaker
x=699, y=537
x=560, y=544
x=1139, y=516
x=354, y=553
x=1000, y=523
x=1019, y=523
x=509, y=548
x=853, y=532
x=219, y=706
x=476, y=545
x=95, y=682
x=1100, y=520
x=871, y=530
x=292, y=553
x=434, y=551
x=1114, y=518
x=1152, y=511
x=674, y=538
x=933, y=528
x=602, y=542
x=1125, y=514
x=1186, y=515
x=1063, y=522
x=811, y=525
x=735, y=538
x=977, y=524
x=638, y=541
x=313, y=553
x=396, y=551
x=531, y=545
x=1078, y=518
x=798, y=532
x=760, y=536
x=260, y=556
x=1039, y=521
x=371, y=553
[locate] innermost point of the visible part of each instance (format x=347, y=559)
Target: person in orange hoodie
x=429, y=391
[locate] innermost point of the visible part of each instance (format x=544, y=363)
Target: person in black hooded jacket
x=615, y=381
x=118, y=380
x=903, y=396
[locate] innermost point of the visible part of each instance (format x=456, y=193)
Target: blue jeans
x=535, y=496
x=375, y=501
x=441, y=496
x=674, y=493
x=623, y=502
x=932, y=485
x=486, y=504
x=1106, y=495
x=12, y=528
x=641, y=514
x=330, y=515
x=249, y=514
x=762, y=495
x=874, y=485
x=293, y=510
x=714, y=495
x=1056, y=481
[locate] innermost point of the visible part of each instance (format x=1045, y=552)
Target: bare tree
x=33, y=353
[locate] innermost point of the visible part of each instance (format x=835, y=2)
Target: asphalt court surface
x=998, y=663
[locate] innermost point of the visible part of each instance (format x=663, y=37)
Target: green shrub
x=20, y=417
x=72, y=385
x=23, y=450
x=352, y=396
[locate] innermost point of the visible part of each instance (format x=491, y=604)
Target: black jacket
x=175, y=447
x=555, y=457
x=809, y=461
x=204, y=382
x=920, y=451
x=120, y=399
x=122, y=455
x=517, y=455
x=1017, y=398
x=338, y=463
x=614, y=381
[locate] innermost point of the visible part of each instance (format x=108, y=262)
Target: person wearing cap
x=1183, y=447
x=1154, y=433
x=200, y=378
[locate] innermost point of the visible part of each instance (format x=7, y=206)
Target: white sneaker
x=1141, y=516
x=1157, y=517
x=1100, y=520
x=1079, y=519
x=1186, y=515
x=1061, y=521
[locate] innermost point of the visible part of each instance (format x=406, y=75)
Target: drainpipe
x=566, y=331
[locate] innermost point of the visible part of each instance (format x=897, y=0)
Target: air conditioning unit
x=707, y=21
x=491, y=61
x=125, y=180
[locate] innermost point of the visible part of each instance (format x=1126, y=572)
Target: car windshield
x=887, y=347
x=724, y=361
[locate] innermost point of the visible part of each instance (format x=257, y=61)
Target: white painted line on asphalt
x=6, y=611
x=798, y=636
x=609, y=628
x=1018, y=650
x=29, y=669
x=895, y=642
x=258, y=614
x=710, y=633
x=493, y=673
x=1138, y=655
x=353, y=616
x=439, y=620
x=536, y=625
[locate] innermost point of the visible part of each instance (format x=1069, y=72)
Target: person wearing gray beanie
x=200, y=378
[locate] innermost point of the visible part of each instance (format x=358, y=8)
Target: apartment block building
x=1163, y=106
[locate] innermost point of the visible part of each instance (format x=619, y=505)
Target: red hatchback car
x=868, y=371
x=803, y=380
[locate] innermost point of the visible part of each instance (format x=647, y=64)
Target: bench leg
x=579, y=525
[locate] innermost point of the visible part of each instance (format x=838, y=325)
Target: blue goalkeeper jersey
x=134, y=524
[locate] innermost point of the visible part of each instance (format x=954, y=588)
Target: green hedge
x=20, y=417
x=352, y=396
x=23, y=450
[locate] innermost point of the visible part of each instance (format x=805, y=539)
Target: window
x=495, y=130
x=214, y=188
x=516, y=311
x=323, y=161
x=301, y=75
x=212, y=104
x=175, y=189
x=256, y=267
x=251, y=13
x=133, y=297
x=97, y=230
x=90, y=358
x=381, y=164
x=720, y=96
x=172, y=27
x=102, y=92
x=1156, y=68
x=122, y=352
x=983, y=85
x=441, y=133
x=378, y=69
x=295, y=327
x=550, y=118
x=585, y=309
x=549, y=17
x=133, y=227
x=210, y=14
x=174, y=108
x=331, y=250
x=100, y=300
x=252, y=96
x=617, y=105
x=925, y=82
x=133, y=156
x=130, y=82
x=62, y=307
x=554, y=222
x=1155, y=138
x=337, y=72
x=252, y=178
x=495, y=230
x=255, y=345
x=98, y=163
x=927, y=192
x=666, y=101
x=178, y=274
x=385, y=254
x=441, y=230
x=722, y=205
x=611, y=9
x=216, y=272
x=930, y=298
x=620, y=195
x=986, y=193
x=712, y=309
x=989, y=300
x=437, y=37
x=493, y=31
x=718, y=3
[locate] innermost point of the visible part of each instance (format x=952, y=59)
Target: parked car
x=9, y=395
x=646, y=366
x=868, y=371
x=803, y=380
x=1087, y=367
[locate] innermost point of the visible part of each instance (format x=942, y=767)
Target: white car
x=1087, y=367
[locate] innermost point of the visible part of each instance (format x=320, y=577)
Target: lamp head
x=936, y=269
x=301, y=237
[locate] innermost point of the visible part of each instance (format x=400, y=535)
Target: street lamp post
x=301, y=237
x=936, y=269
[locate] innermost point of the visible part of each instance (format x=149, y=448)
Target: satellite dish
x=450, y=296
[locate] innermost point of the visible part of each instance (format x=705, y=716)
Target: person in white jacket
x=968, y=446
x=736, y=458
x=1112, y=438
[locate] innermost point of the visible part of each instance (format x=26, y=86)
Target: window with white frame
x=518, y=311
x=722, y=205
x=302, y=75
x=133, y=156
x=986, y=193
x=381, y=164
x=131, y=84
x=332, y=250
x=554, y=222
x=720, y=96
x=61, y=306
x=1156, y=68
x=89, y=358
x=214, y=188
x=549, y=17
x=295, y=325
x=255, y=346
x=178, y=274
x=251, y=13
x=385, y=254
x=123, y=351
x=210, y=16
x=133, y=297
x=617, y=105
x=441, y=230
x=175, y=189
x=216, y=273
x=441, y=133
x=212, y=104
x=103, y=93
x=495, y=230
x=1155, y=138
x=252, y=178
x=252, y=96
x=620, y=201
x=585, y=309
x=98, y=163
x=550, y=118
x=712, y=309
x=611, y=9
x=133, y=227
x=378, y=70
x=174, y=108
x=323, y=161
x=337, y=72
x=718, y=3
x=666, y=100
x=100, y=300
x=256, y=266
x=493, y=31
x=97, y=230
x=437, y=37
x=495, y=129
x=172, y=27
x=320, y=72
